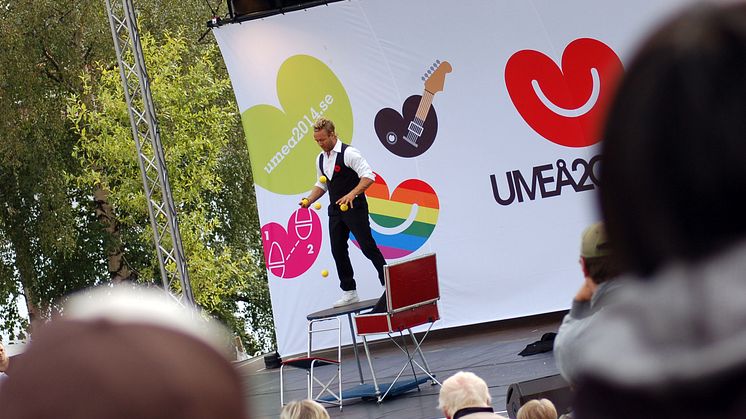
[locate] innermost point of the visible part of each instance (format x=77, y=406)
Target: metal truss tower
x=145, y=131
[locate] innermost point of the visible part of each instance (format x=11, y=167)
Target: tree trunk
x=24, y=264
x=119, y=271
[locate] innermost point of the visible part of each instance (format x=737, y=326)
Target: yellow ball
x=304, y=201
x=322, y=179
x=317, y=205
x=324, y=273
x=344, y=207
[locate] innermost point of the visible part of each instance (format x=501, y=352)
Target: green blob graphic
x=281, y=146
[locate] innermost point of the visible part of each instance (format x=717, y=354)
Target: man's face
x=4, y=360
x=325, y=140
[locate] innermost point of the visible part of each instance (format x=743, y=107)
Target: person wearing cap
x=600, y=271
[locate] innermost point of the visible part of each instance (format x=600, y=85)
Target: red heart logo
x=566, y=106
x=289, y=253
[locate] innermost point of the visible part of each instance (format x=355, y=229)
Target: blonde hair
x=304, y=409
x=325, y=124
x=462, y=390
x=537, y=409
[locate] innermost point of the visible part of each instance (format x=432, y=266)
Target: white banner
x=497, y=176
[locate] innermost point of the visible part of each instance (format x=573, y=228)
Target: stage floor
x=488, y=350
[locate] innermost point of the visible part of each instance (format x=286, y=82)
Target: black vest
x=344, y=180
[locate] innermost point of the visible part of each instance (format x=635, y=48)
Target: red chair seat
x=396, y=322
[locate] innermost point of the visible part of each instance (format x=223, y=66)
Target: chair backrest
x=411, y=283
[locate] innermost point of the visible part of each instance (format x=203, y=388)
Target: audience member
x=537, y=409
x=673, y=177
x=465, y=395
x=304, y=409
x=4, y=362
x=124, y=352
x=600, y=270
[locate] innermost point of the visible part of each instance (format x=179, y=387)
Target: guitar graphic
x=413, y=133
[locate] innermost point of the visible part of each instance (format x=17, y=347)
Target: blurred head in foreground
x=674, y=154
x=673, y=180
x=123, y=352
x=304, y=409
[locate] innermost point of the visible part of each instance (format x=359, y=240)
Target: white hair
x=134, y=304
x=462, y=390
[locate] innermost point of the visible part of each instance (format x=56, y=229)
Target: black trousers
x=355, y=221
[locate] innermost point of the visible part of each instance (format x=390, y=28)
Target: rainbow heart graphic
x=403, y=221
x=289, y=253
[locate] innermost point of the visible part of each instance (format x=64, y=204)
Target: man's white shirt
x=352, y=159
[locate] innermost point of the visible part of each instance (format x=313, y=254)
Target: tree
x=48, y=236
x=58, y=231
x=197, y=118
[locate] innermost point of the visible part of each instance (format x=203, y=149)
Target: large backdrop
x=481, y=119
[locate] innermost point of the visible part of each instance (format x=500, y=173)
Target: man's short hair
x=598, y=256
x=462, y=390
x=325, y=124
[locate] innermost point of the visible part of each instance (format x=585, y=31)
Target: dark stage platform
x=489, y=350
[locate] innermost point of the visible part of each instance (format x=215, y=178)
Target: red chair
x=412, y=296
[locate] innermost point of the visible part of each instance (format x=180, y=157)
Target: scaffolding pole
x=161, y=209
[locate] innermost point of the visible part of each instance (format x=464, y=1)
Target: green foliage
x=197, y=119
x=48, y=234
x=65, y=136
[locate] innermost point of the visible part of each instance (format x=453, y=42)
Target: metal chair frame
x=311, y=362
x=395, y=318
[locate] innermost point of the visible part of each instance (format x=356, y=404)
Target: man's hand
x=347, y=199
x=585, y=293
x=314, y=196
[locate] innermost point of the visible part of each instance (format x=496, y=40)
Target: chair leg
x=282, y=388
x=325, y=387
x=370, y=365
x=401, y=371
x=417, y=348
x=310, y=382
x=339, y=380
x=422, y=356
x=409, y=356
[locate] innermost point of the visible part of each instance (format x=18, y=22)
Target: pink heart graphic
x=565, y=105
x=289, y=253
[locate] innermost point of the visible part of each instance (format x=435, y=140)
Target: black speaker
x=554, y=388
x=244, y=7
x=272, y=360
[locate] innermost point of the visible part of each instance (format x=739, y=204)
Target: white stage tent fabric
x=498, y=176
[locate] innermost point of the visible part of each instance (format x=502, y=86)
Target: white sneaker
x=348, y=297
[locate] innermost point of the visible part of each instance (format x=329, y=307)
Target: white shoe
x=348, y=297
